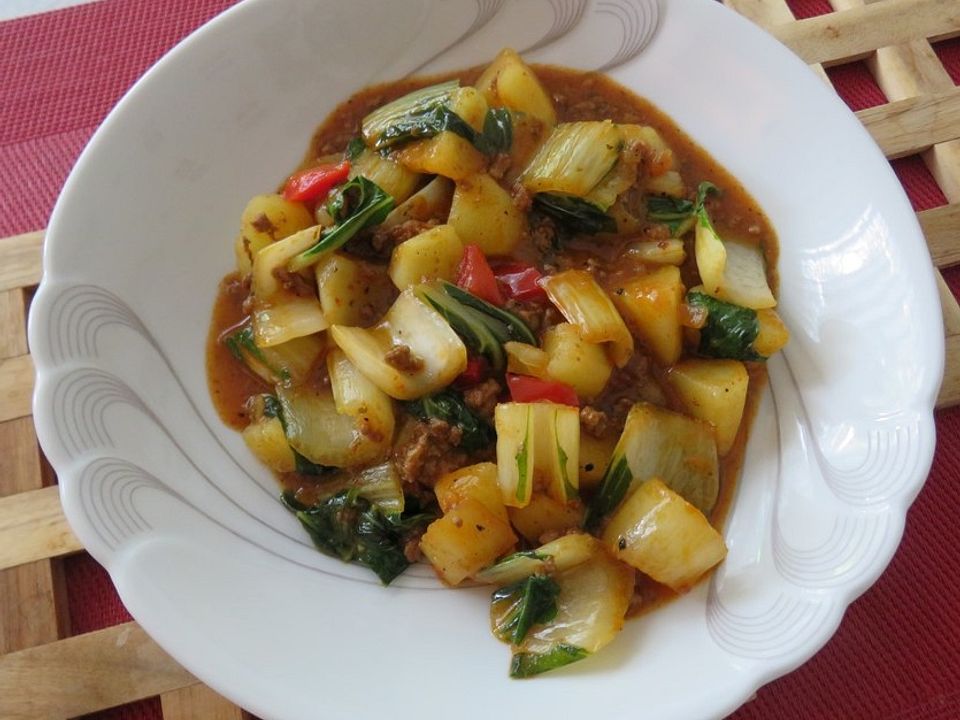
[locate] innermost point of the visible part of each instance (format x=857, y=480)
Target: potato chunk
x=433, y=254
x=483, y=214
x=508, y=82
x=446, y=154
x=582, y=365
x=662, y=535
x=715, y=391
x=544, y=514
x=474, y=481
x=652, y=303
x=465, y=540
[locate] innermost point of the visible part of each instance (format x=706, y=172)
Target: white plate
x=188, y=524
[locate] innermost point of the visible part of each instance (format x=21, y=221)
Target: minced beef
x=384, y=239
x=531, y=313
x=594, y=421
x=482, y=398
x=402, y=358
x=294, y=282
x=543, y=233
x=522, y=199
x=499, y=166
x=428, y=450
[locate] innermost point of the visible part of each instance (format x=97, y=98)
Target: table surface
x=896, y=655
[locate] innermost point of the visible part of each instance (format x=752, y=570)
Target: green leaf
x=574, y=214
x=520, y=606
x=497, y=135
x=354, y=148
x=700, y=210
x=350, y=527
x=425, y=124
x=523, y=460
x=730, y=329
x=516, y=328
x=613, y=487
x=355, y=206
x=524, y=665
x=675, y=213
x=406, y=112
x=448, y=406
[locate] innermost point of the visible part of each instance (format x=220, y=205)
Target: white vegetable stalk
x=584, y=303
x=437, y=355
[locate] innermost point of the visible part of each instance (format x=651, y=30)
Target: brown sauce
x=577, y=96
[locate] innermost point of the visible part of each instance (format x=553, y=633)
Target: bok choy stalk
x=267, y=408
x=430, y=111
x=517, y=607
x=279, y=364
x=537, y=440
x=574, y=158
x=585, y=304
x=730, y=330
x=435, y=352
x=657, y=442
x=484, y=327
x=561, y=554
x=589, y=608
x=355, y=206
x=731, y=271
x=349, y=526
x=448, y=405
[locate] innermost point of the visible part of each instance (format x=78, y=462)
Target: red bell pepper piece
x=520, y=281
x=476, y=372
x=524, y=388
x=476, y=276
x=314, y=183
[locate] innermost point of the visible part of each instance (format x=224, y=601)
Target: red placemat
x=897, y=654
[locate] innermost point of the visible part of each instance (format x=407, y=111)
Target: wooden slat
x=950, y=390
x=951, y=320
x=198, y=702
x=13, y=338
x=856, y=33
x=908, y=126
x=941, y=227
x=86, y=673
x=32, y=527
x=16, y=387
x=20, y=260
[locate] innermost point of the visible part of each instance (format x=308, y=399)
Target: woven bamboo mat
x=43, y=673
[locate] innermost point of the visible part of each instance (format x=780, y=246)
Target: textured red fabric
x=897, y=654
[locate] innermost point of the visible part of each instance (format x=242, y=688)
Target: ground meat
x=411, y=548
x=522, y=199
x=428, y=451
x=543, y=233
x=531, y=313
x=482, y=398
x=499, y=166
x=403, y=359
x=384, y=239
x=294, y=282
x=261, y=223
x=657, y=231
x=594, y=421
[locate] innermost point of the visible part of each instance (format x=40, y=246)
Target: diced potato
x=483, y=214
x=268, y=442
x=528, y=135
x=543, y=514
x=773, y=334
x=584, y=303
x=508, y=82
x=433, y=254
x=446, y=154
x=595, y=454
x=474, y=481
x=465, y=540
x=715, y=391
x=652, y=303
x=352, y=292
x=662, y=535
x=526, y=359
x=658, y=252
x=471, y=105
x=393, y=178
x=242, y=255
x=268, y=218
x=582, y=365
